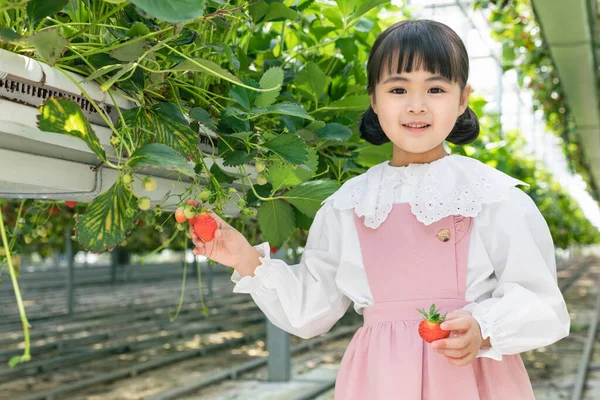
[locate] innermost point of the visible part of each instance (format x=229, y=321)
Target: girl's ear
x=464, y=99
x=373, y=103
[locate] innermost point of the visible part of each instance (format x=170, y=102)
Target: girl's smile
x=416, y=127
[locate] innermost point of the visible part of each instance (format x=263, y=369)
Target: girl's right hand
x=229, y=247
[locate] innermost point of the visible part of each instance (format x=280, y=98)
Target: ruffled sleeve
x=302, y=299
x=523, y=308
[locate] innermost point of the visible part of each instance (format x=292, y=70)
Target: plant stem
x=204, y=68
x=95, y=23
x=182, y=294
x=13, y=276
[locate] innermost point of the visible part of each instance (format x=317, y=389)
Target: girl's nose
x=416, y=106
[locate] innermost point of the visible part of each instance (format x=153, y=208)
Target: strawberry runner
x=410, y=265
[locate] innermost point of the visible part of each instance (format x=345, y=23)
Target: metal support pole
x=278, y=345
x=71, y=270
x=279, y=363
x=115, y=263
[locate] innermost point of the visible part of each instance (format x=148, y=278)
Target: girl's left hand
x=465, y=339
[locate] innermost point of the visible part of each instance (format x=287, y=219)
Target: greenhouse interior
x=209, y=199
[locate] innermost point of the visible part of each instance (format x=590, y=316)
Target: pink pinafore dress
x=410, y=265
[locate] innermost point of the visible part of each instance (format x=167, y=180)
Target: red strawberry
x=179, y=215
x=274, y=249
x=205, y=227
x=71, y=204
x=429, y=328
x=192, y=203
x=53, y=210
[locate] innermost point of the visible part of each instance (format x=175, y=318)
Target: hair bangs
x=412, y=46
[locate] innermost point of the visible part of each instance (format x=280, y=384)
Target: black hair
x=416, y=44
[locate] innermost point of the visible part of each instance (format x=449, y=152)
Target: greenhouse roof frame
x=571, y=35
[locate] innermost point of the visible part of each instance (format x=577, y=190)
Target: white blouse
x=511, y=275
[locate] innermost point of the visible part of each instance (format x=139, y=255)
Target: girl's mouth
x=416, y=128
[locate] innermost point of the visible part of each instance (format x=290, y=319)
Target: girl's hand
x=465, y=339
x=229, y=247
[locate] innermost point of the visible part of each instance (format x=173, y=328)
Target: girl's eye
x=398, y=91
x=437, y=90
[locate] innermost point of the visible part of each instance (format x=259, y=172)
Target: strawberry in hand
x=219, y=241
x=204, y=227
x=429, y=328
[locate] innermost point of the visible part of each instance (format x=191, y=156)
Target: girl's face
x=417, y=110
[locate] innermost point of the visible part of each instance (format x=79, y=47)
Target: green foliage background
x=281, y=83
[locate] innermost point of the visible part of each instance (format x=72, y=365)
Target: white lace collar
x=452, y=185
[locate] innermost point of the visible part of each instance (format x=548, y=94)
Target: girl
x=423, y=228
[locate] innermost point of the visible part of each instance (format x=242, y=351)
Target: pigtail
x=466, y=128
x=370, y=129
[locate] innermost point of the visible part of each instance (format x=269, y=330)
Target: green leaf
x=313, y=79
x=371, y=155
x=334, y=131
x=187, y=36
x=279, y=12
x=156, y=155
x=244, y=97
x=202, y=116
x=348, y=47
x=224, y=176
x=276, y=221
x=270, y=79
x=364, y=6
x=130, y=52
x=284, y=175
x=350, y=103
x=334, y=16
x=138, y=29
x=173, y=11
x=9, y=35
x=346, y=6
x=321, y=31
x=162, y=124
x=315, y=125
x=231, y=57
x=291, y=148
x=234, y=158
x=37, y=10
x=110, y=82
x=308, y=196
x=292, y=109
x=207, y=67
x=258, y=10
x=302, y=221
x=65, y=117
x=49, y=45
x=108, y=219
x=102, y=71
